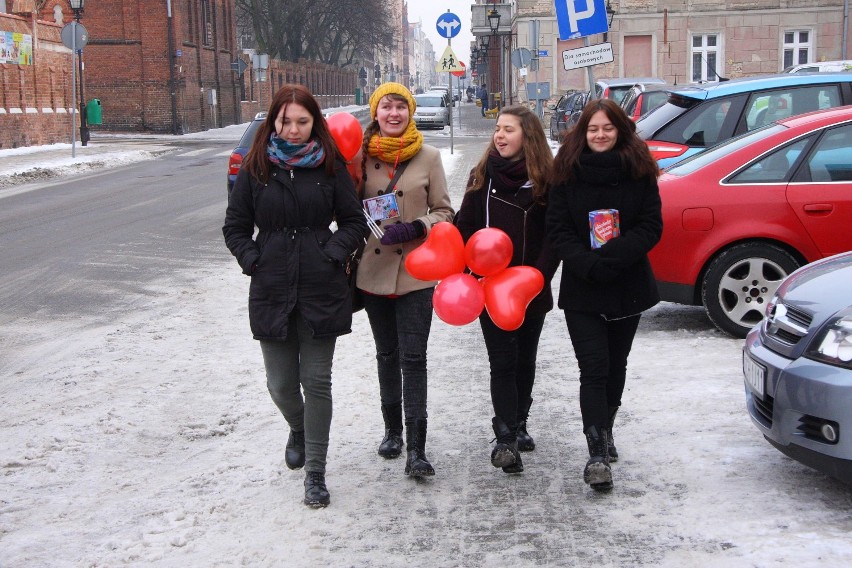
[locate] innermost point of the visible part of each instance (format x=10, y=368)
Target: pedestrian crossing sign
x=448, y=62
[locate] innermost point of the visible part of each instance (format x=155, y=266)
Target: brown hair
x=633, y=151
x=257, y=163
x=534, y=149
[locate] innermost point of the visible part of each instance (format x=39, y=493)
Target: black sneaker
x=294, y=453
x=316, y=494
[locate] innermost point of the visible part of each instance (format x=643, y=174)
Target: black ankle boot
x=316, y=494
x=505, y=453
x=417, y=465
x=525, y=441
x=613, y=453
x=597, y=473
x=391, y=445
x=294, y=452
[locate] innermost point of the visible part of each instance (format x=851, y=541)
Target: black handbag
x=355, y=258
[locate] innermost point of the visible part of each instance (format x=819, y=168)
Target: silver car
x=797, y=364
x=432, y=110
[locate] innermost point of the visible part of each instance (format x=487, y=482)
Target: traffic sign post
x=575, y=23
x=449, y=26
x=74, y=37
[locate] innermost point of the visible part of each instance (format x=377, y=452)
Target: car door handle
x=819, y=208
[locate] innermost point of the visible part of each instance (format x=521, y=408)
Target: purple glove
x=403, y=232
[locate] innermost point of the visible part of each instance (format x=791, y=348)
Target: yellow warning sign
x=448, y=62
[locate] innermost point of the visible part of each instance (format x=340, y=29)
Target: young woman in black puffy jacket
x=603, y=219
x=292, y=185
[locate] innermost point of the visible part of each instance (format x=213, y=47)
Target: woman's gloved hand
x=403, y=232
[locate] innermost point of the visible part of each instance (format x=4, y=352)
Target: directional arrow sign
x=449, y=62
x=448, y=25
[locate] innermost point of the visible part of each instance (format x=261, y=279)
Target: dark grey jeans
x=302, y=363
x=401, y=331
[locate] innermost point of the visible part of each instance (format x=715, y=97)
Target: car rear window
x=648, y=125
x=248, y=135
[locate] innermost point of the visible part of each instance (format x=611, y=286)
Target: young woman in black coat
x=507, y=190
x=607, y=280
x=292, y=185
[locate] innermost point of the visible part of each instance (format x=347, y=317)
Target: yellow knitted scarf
x=396, y=150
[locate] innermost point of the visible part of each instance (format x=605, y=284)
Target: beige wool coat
x=421, y=194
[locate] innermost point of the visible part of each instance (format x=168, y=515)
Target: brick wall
x=35, y=100
x=128, y=65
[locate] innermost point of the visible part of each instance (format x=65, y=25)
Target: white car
x=432, y=110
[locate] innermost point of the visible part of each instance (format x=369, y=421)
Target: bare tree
x=336, y=32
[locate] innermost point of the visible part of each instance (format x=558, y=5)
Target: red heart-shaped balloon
x=509, y=292
x=488, y=251
x=458, y=299
x=347, y=133
x=441, y=255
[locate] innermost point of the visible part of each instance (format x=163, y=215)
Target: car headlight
x=833, y=344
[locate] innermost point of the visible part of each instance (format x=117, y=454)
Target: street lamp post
x=610, y=13
x=494, y=26
x=77, y=8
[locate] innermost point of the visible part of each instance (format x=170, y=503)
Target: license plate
x=755, y=375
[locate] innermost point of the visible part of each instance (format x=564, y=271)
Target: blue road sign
x=448, y=25
x=580, y=18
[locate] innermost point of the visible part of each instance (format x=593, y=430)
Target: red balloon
x=508, y=293
x=488, y=251
x=458, y=299
x=441, y=255
x=347, y=133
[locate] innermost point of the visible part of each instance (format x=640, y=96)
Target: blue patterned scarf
x=289, y=156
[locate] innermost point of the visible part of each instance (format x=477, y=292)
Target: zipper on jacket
x=510, y=204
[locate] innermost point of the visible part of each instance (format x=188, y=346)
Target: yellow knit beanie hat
x=391, y=89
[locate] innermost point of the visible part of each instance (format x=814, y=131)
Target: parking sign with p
x=580, y=18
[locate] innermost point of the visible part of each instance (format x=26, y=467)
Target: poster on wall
x=16, y=48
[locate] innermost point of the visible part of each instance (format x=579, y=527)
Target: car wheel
x=740, y=282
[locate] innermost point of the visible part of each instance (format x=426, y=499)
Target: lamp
x=77, y=8
x=493, y=20
x=610, y=12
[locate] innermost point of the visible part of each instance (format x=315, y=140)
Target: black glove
x=403, y=232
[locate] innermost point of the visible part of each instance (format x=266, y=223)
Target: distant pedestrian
x=292, y=185
x=399, y=168
x=483, y=98
x=603, y=219
x=508, y=190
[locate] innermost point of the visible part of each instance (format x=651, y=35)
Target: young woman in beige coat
x=404, y=186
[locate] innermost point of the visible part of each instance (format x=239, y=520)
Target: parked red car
x=741, y=216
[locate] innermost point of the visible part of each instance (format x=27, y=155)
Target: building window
x=705, y=58
x=206, y=23
x=797, y=47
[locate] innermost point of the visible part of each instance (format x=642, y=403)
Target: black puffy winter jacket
x=296, y=262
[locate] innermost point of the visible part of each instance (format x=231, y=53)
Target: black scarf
x=507, y=175
x=600, y=168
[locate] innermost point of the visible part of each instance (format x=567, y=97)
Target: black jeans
x=601, y=347
x=512, y=355
x=401, y=330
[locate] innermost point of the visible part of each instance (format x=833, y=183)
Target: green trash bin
x=358, y=95
x=93, y=112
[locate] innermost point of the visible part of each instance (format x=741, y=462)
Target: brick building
x=162, y=65
x=35, y=80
